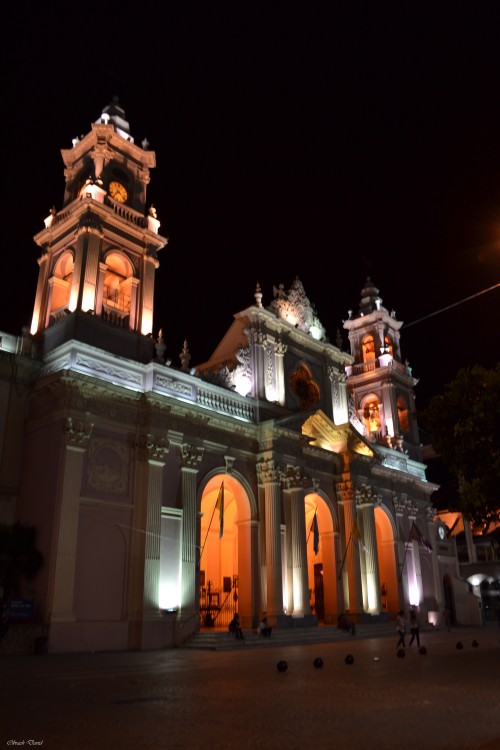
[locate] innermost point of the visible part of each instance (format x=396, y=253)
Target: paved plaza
x=445, y=699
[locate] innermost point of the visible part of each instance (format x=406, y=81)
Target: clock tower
x=380, y=383
x=99, y=253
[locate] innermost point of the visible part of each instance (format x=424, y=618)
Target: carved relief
x=364, y=495
x=76, y=432
x=190, y=455
x=267, y=471
x=294, y=307
x=293, y=476
x=108, y=466
x=107, y=369
x=400, y=505
x=176, y=386
x=241, y=376
x=151, y=447
x=270, y=364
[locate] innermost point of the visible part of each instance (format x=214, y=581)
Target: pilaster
x=352, y=559
x=190, y=458
x=76, y=435
x=269, y=477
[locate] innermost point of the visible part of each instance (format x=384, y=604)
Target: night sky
x=290, y=141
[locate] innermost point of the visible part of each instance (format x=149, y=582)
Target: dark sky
x=290, y=141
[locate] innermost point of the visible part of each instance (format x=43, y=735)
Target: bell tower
x=380, y=384
x=99, y=253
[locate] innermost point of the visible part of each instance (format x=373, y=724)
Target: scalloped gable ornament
x=294, y=307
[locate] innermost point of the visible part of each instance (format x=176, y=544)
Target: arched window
x=368, y=346
x=371, y=415
x=388, y=346
x=61, y=282
x=116, y=291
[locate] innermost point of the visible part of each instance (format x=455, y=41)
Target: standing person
x=235, y=627
x=414, y=628
x=446, y=615
x=401, y=628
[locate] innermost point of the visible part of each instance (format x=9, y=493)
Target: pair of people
x=401, y=628
x=235, y=628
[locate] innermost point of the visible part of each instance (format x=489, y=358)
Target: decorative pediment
x=325, y=434
x=294, y=307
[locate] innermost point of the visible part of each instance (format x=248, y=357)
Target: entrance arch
x=227, y=565
x=389, y=589
x=321, y=565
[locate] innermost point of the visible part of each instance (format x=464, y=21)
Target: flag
x=416, y=536
x=315, y=531
x=220, y=506
x=357, y=533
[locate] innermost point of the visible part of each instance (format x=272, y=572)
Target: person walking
x=414, y=628
x=401, y=628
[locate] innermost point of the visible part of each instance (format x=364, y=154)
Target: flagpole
x=406, y=550
x=208, y=530
x=345, y=555
x=311, y=528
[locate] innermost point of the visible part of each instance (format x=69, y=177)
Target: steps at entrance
x=210, y=640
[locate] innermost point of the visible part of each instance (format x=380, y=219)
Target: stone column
x=352, y=561
x=76, y=435
x=280, y=352
x=269, y=476
x=338, y=395
x=190, y=457
x=294, y=484
x=431, y=533
x=330, y=568
x=258, y=340
x=289, y=552
x=401, y=556
x=369, y=534
x=415, y=563
x=155, y=449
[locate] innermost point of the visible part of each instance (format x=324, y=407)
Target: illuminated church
x=284, y=476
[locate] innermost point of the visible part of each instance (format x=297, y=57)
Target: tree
x=464, y=424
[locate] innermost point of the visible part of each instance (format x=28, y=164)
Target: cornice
x=85, y=213
x=103, y=134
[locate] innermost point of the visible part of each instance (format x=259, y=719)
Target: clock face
x=441, y=532
x=118, y=192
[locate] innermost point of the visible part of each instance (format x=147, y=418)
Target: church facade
x=283, y=477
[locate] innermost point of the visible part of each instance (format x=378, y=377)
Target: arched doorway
x=227, y=577
x=321, y=560
x=389, y=590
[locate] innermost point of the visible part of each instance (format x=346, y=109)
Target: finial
x=145, y=144
x=160, y=347
x=185, y=357
x=258, y=295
